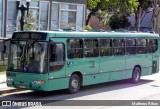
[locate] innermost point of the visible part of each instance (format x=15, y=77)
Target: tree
x=125, y=7
x=156, y=16
x=30, y=21
x=141, y=10
x=118, y=21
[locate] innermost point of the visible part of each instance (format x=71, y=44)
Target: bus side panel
x=143, y=60
x=88, y=67
x=57, y=84
x=105, y=77
x=147, y=65
x=91, y=79
x=105, y=67
x=128, y=73
x=146, y=71
x=119, y=75
x=155, y=62
x=115, y=65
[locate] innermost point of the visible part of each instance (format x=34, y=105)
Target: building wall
x=49, y=15
x=45, y=15
x=73, y=1
x=1, y=11
x=146, y=22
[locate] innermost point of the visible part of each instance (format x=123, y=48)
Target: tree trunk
x=157, y=30
x=89, y=17
x=138, y=19
x=154, y=16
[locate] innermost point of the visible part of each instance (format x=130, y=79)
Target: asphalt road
x=147, y=89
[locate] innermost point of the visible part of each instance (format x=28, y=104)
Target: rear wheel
x=136, y=75
x=74, y=84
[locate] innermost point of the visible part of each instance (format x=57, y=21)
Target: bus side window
x=141, y=46
x=105, y=47
x=152, y=45
x=75, y=48
x=118, y=47
x=130, y=46
x=57, y=56
x=91, y=48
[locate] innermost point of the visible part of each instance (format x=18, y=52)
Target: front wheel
x=136, y=75
x=74, y=84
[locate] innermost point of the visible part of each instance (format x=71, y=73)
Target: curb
x=10, y=91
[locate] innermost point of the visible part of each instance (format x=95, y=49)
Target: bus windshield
x=28, y=56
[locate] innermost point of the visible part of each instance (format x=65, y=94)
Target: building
x=146, y=22
x=45, y=15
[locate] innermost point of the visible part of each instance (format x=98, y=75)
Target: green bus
x=54, y=60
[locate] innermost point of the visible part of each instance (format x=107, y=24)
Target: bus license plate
x=22, y=86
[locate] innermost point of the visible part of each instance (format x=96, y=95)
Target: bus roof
x=75, y=34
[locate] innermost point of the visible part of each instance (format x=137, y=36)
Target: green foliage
x=91, y=4
x=87, y=27
x=123, y=7
x=119, y=21
x=103, y=17
x=2, y=68
x=145, y=4
x=30, y=22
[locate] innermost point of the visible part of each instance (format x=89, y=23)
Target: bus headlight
x=9, y=79
x=38, y=82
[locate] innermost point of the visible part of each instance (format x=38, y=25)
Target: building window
x=31, y=21
x=11, y=17
x=44, y=15
x=66, y=15
x=1, y=11
x=55, y=16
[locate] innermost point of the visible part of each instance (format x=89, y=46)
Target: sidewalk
x=3, y=86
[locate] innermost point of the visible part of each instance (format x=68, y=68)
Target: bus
x=54, y=60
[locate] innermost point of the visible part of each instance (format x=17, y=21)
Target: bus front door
x=57, y=79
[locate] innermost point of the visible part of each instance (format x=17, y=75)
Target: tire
x=74, y=84
x=136, y=75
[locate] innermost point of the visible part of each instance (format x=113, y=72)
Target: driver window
x=57, y=56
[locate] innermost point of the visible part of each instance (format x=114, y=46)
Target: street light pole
x=23, y=8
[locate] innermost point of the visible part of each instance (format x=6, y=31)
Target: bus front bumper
x=27, y=81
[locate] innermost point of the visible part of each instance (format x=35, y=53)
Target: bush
x=119, y=22
x=88, y=27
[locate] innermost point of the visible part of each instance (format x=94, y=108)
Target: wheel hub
x=74, y=84
x=136, y=76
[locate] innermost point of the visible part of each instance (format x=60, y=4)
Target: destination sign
x=30, y=35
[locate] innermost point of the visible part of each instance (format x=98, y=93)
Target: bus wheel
x=136, y=75
x=74, y=84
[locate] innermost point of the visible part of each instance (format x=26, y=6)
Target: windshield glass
x=28, y=56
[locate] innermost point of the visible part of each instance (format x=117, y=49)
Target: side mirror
x=2, y=46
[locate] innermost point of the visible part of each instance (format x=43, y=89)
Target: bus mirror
x=2, y=46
